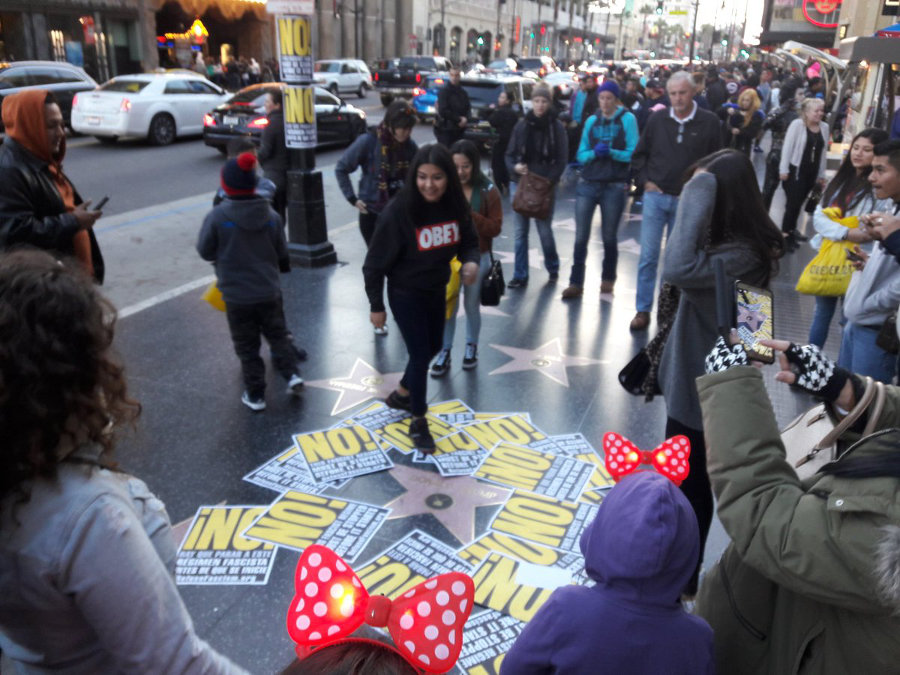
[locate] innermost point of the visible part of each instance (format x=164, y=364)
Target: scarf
x=538, y=139
x=392, y=168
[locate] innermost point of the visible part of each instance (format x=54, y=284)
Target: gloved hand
x=724, y=356
x=601, y=149
x=815, y=372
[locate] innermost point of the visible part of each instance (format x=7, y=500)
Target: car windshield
x=530, y=64
x=328, y=67
x=483, y=93
x=249, y=97
x=127, y=86
x=502, y=64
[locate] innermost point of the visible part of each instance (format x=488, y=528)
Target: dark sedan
x=337, y=122
x=62, y=79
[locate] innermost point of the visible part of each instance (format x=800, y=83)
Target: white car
x=155, y=106
x=343, y=76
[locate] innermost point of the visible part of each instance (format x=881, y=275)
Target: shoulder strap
x=853, y=415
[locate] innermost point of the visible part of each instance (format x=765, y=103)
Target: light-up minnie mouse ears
x=426, y=623
x=670, y=458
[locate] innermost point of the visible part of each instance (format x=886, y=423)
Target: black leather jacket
x=32, y=212
x=452, y=104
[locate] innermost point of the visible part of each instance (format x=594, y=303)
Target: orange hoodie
x=25, y=122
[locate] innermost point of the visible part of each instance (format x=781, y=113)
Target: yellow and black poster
x=286, y=472
x=299, y=105
x=526, y=551
x=600, y=481
x=522, y=468
x=396, y=433
x=486, y=640
x=295, y=48
x=457, y=454
x=215, y=553
x=341, y=452
x=569, y=445
x=295, y=520
x=498, y=586
x=544, y=520
x=414, y=559
x=510, y=428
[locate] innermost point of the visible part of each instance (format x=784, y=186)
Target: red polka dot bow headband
x=670, y=458
x=330, y=602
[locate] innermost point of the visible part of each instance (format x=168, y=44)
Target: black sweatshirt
x=415, y=253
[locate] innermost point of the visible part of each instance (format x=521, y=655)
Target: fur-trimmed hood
x=887, y=568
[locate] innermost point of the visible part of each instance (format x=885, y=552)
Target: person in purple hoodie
x=641, y=549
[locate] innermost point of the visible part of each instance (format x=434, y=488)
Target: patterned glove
x=723, y=356
x=816, y=373
x=601, y=149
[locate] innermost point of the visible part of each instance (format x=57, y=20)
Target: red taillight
x=259, y=123
x=417, y=92
x=376, y=77
x=542, y=72
x=125, y=106
x=418, y=77
x=75, y=100
x=209, y=120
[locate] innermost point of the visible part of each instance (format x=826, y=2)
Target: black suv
x=63, y=79
x=483, y=91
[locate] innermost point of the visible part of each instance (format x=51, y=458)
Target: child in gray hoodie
x=244, y=239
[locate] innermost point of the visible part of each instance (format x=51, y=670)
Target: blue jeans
x=548, y=244
x=658, y=213
x=472, y=303
x=818, y=330
x=611, y=199
x=860, y=354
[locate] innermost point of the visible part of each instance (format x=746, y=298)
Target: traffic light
x=543, y=29
x=532, y=35
x=659, y=7
x=724, y=42
x=481, y=41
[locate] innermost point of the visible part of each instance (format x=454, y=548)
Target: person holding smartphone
x=721, y=216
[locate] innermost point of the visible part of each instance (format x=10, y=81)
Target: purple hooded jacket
x=641, y=550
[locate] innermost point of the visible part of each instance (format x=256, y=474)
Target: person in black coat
x=504, y=119
x=453, y=111
x=716, y=94
x=273, y=153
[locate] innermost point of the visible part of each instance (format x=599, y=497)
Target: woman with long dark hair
x=86, y=551
x=721, y=216
x=802, y=164
x=487, y=217
x=417, y=235
x=851, y=192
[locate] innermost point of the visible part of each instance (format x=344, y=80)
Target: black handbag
x=887, y=337
x=492, y=285
x=813, y=201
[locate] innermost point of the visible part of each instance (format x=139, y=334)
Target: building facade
x=864, y=17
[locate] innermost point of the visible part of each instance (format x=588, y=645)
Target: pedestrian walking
x=39, y=205
x=454, y=110
x=503, y=118
x=673, y=140
x=273, y=153
x=538, y=144
x=784, y=111
x=244, y=238
x=609, y=139
x=417, y=235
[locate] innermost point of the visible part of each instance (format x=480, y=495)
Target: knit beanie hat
x=543, y=90
x=610, y=86
x=239, y=175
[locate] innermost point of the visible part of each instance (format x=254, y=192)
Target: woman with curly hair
x=743, y=121
x=86, y=551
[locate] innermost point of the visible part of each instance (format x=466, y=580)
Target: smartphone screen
x=755, y=320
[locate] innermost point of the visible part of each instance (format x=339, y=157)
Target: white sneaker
x=381, y=331
x=295, y=385
x=253, y=403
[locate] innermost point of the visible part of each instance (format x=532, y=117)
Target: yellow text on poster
x=448, y=407
x=296, y=519
x=299, y=105
x=515, y=466
x=386, y=576
x=536, y=518
x=482, y=547
x=295, y=36
x=496, y=588
x=338, y=442
x=397, y=433
x=491, y=668
x=458, y=441
x=511, y=428
x=219, y=529
x=600, y=478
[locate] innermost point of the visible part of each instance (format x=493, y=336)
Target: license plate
x=230, y=119
x=93, y=120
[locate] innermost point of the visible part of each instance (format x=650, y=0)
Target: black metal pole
x=694, y=31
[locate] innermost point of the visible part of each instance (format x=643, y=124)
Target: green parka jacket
x=811, y=580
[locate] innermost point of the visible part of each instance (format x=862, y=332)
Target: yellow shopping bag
x=453, y=287
x=214, y=297
x=829, y=272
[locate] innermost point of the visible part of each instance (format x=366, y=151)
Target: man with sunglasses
x=672, y=140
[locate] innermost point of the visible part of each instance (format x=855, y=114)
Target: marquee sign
x=822, y=13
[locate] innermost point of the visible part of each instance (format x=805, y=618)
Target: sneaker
x=420, y=436
x=256, y=404
x=381, y=331
x=397, y=401
x=441, y=364
x=572, y=292
x=640, y=321
x=295, y=385
x=470, y=360
x=607, y=286
x=517, y=283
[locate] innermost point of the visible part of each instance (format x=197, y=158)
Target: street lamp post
x=694, y=31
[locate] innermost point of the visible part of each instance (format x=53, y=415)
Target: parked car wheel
x=333, y=88
x=162, y=129
x=361, y=92
x=386, y=100
x=107, y=140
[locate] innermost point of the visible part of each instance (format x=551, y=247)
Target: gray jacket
x=874, y=293
x=689, y=265
x=245, y=240
x=86, y=582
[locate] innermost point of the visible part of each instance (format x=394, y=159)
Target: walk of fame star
x=451, y=500
x=362, y=384
x=548, y=360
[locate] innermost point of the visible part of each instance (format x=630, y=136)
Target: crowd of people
x=809, y=583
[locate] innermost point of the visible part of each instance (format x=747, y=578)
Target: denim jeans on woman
x=818, y=330
x=472, y=303
x=610, y=197
x=548, y=244
x=420, y=317
x=658, y=213
x=861, y=355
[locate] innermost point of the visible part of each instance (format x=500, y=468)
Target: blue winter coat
x=641, y=550
x=620, y=132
